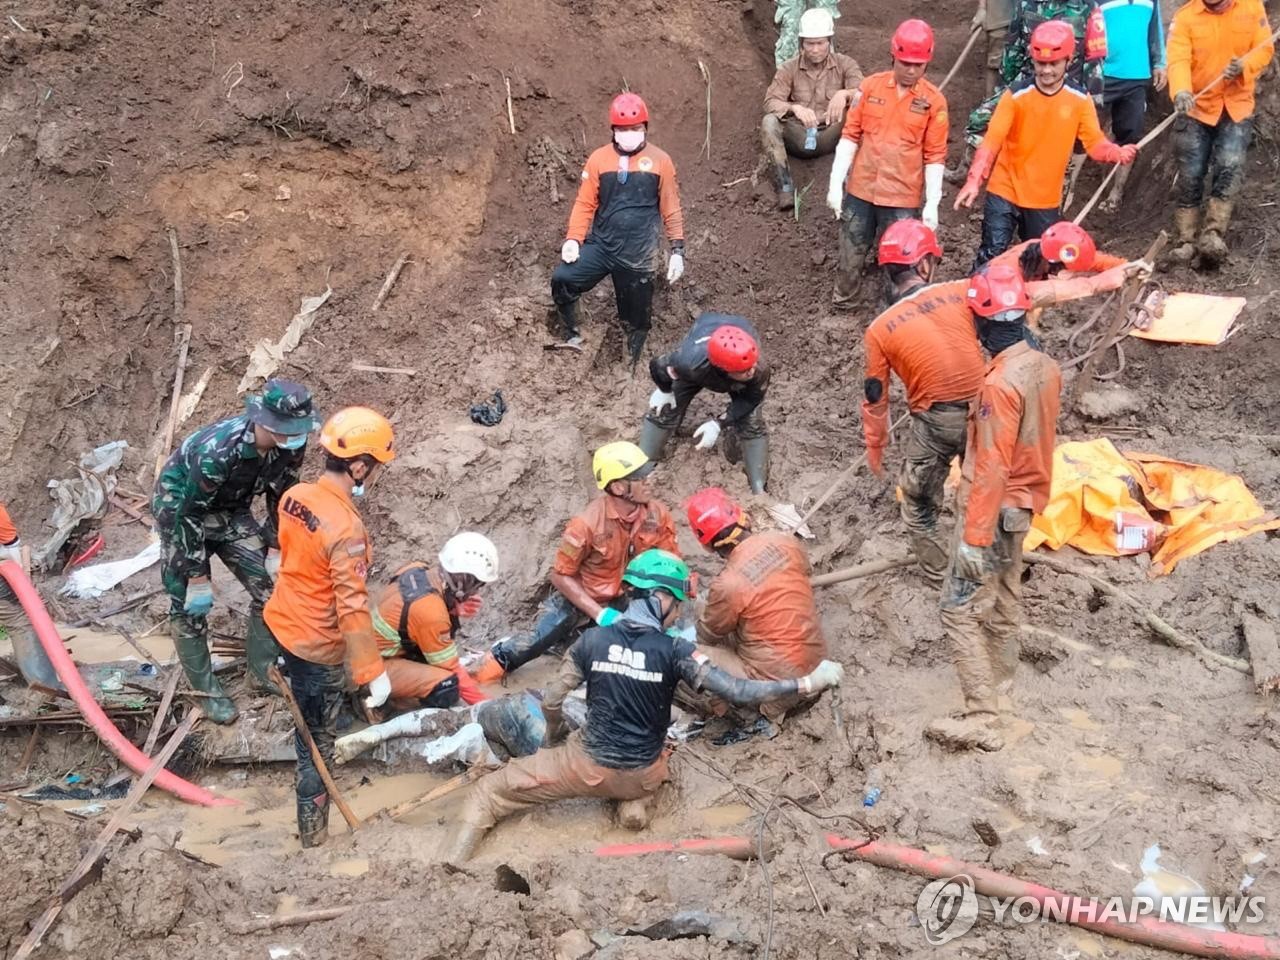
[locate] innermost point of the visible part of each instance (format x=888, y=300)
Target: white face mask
x=628, y=141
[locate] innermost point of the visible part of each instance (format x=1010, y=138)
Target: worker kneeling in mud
x=419, y=613
x=587, y=571
x=760, y=621
x=721, y=354
x=631, y=669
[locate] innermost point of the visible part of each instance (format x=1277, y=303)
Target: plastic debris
x=489, y=414
x=80, y=498
x=89, y=582
x=265, y=358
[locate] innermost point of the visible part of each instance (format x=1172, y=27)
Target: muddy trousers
x=1001, y=219
x=785, y=138
x=1218, y=151
x=748, y=437
x=937, y=436
x=559, y=622
x=557, y=773
x=33, y=662
x=632, y=290
x=861, y=223
x=982, y=619
x=415, y=684
x=319, y=690
x=996, y=38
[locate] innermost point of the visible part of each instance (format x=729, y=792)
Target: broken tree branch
x=162, y=712
x=706, y=141
x=511, y=117
x=182, y=331
x=392, y=276
x=371, y=368
x=861, y=570
x=259, y=924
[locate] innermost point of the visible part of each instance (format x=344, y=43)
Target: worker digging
x=592, y=663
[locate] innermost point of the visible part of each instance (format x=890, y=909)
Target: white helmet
x=472, y=553
x=816, y=24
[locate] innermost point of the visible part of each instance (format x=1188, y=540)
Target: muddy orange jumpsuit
x=415, y=636
x=760, y=621
x=595, y=549
x=928, y=339
x=1008, y=466
x=319, y=614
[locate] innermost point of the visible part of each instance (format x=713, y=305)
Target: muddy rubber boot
x=635, y=814
x=463, y=846
x=931, y=556
x=1186, y=221
x=569, y=323
x=786, y=189
x=975, y=731
x=849, y=281
x=755, y=462
x=193, y=654
x=261, y=651
x=313, y=820
x=1212, y=245
x=635, y=345
x=653, y=439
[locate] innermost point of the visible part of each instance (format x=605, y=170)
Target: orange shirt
x=1101, y=261
x=929, y=340
x=1008, y=460
x=764, y=596
x=1033, y=135
x=1202, y=43
x=430, y=627
x=598, y=544
x=896, y=136
x=8, y=532
x=319, y=610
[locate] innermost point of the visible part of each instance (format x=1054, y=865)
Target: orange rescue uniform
x=8, y=532
x=896, y=136
x=1202, y=43
x=929, y=340
x=1032, y=135
x=1101, y=261
x=1012, y=428
x=598, y=544
x=764, y=597
x=319, y=610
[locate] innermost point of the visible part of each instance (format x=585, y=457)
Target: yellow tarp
x=1198, y=318
x=1105, y=502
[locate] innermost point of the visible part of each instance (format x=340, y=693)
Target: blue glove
x=608, y=616
x=199, y=599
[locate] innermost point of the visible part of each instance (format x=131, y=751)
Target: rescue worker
x=628, y=195
x=804, y=107
x=1135, y=61
x=1212, y=133
x=202, y=506
x=586, y=575
x=1064, y=246
x=721, y=353
x=892, y=153
x=32, y=661
x=1008, y=465
x=760, y=620
x=319, y=611
x=631, y=669
x=1028, y=145
x=993, y=18
x=418, y=614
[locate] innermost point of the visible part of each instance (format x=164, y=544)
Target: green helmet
x=659, y=570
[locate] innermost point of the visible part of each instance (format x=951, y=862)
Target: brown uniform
x=798, y=82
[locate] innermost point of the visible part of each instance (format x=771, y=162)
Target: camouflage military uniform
x=787, y=15
x=1016, y=62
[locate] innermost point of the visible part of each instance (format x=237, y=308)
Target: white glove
x=659, y=400
x=707, y=435
x=273, y=564
x=933, y=174
x=379, y=690
x=569, y=251
x=13, y=551
x=825, y=675
x=840, y=166
x=675, y=267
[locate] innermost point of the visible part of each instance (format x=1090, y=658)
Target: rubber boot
x=653, y=439
x=849, y=279
x=635, y=345
x=313, y=820
x=786, y=189
x=33, y=662
x=569, y=323
x=755, y=462
x=464, y=844
x=1186, y=220
x=931, y=556
x=193, y=653
x=261, y=651
x=1212, y=246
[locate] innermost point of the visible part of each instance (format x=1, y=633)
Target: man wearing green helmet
x=631, y=669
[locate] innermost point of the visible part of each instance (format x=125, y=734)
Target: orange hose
x=737, y=848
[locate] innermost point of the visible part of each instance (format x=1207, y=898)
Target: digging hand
x=973, y=563
x=379, y=690
x=825, y=675
x=199, y=598
x=569, y=251
x=12, y=551
x=660, y=399
x=707, y=435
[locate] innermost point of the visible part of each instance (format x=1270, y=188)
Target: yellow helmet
x=354, y=431
x=620, y=460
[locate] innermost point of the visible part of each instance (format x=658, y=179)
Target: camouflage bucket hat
x=283, y=407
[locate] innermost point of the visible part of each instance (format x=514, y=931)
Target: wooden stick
x=511, y=117
x=78, y=877
x=183, y=332
x=124, y=507
x=259, y=924
x=274, y=675
x=371, y=368
x=128, y=638
x=1160, y=128
x=446, y=788
x=129, y=604
x=861, y=570
x=973, y=38
x=706, y=140
x=165, y=702
x=388, y=283
x=30, y=752
x=847, y=474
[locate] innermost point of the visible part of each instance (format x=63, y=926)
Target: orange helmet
x=912, y=42
x=999, y=293
x=1070, y=244
x=1053, y=40
x=355, y=431
x=907, y=242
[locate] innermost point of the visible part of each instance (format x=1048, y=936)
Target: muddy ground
x=387, y=124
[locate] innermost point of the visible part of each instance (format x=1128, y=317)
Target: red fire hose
x=115, y=741
x=736, y=848
x=1147, y=930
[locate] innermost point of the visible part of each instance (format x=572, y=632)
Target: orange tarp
x=1105, y=502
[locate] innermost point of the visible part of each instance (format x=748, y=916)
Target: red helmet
x=997, y=290
x=711, y=513
x=1069, y=244
x=627, y=110
x=732, y=349
x=912, y=42
x=1053, y=40
x=908, y=242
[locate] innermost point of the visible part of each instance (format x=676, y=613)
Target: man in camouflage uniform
x=203, y=505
